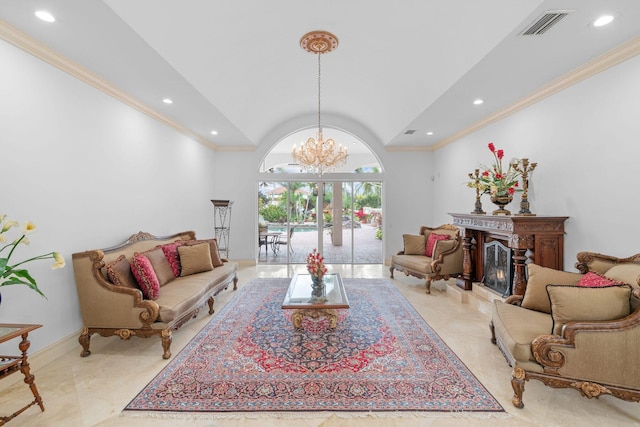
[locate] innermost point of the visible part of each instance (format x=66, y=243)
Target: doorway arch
x=340, y=212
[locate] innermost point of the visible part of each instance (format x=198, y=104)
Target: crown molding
x=409, y=148
x=613, y=57
x=41, y=51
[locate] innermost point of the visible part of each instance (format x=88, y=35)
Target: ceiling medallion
x=319, y=155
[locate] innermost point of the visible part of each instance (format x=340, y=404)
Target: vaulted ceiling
x=236, y=66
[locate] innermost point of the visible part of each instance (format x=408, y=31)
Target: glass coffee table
x=299, y=298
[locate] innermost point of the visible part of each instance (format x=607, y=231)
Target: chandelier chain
x=319, y=126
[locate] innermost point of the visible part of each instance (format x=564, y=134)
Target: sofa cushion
x=414, y=244
x=515, y=327
x=535, y=295
x=575, y=303
x=145, y=276
x=216, y=259
x=596, y=280
x=418, y=263
x=160, y=265
x=170, y=251
x=431, y=242
x=119, y=273
x=626, y=273
x=185, y=292
x=194, y=259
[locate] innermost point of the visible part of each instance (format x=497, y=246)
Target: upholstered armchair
x=433, y=254
x=577, y=330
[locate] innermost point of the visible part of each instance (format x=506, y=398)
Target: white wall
x=89, y=171
x=586, y=142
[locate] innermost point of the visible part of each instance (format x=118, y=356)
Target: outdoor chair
x=285, y=240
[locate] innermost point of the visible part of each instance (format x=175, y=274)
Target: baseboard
x=45, y=356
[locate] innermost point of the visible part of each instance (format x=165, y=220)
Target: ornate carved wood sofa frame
x=109, y=309
x=445, y=263
x=594, y=357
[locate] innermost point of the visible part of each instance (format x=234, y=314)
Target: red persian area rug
x=381, y=357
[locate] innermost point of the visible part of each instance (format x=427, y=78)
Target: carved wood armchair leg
x=493, y=332
x=166, y=343
x=391, y=271
x=428, y=283
x=235, y=283
x=84, y=340
x=517, y=382
x=210, y=301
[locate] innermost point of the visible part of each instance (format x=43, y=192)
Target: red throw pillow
x=595, y=280
x=431, y=242
x=145, y=276
x=170, y=251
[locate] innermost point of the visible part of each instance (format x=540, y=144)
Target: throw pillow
x=574, y=303
x=145, y=276
x=195, y=259
x=170, y=251
x=413, y=245
x=625, y=273
x=535, y=296
x=596, y=280
x=216, y=259
x=119, y=273
x=431, y=242
x=160, y=265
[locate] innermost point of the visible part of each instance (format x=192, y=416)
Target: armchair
x=434, y=254
x=577, y=330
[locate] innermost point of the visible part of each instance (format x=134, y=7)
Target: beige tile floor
x=93, y=391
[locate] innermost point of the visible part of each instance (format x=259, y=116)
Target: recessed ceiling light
x=429, y=133
x=45, y=16
x=167, y=101
x=603, y=20
x=478, y=101
x=214, y=132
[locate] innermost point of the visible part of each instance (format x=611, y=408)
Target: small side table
x=12, y=364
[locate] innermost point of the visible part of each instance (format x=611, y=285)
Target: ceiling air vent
x=545, y=22
x=410, y=132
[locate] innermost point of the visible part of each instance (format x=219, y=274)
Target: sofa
x=579, y=330
x=148, y=286
x=433, y=254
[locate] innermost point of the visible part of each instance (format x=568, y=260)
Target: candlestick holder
x=525, y=168
x=476, y=179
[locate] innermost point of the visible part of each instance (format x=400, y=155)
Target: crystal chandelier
x=319, y=155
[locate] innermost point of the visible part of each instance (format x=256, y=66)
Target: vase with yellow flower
x=500, y=183
x=14, y=273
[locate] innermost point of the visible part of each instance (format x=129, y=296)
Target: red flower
x=511, y=190
x=485, y=173
x=492, y=147
x=498, y=176
x=500, y=154
x=516, y=184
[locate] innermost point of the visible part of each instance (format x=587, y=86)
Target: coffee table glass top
x=299, y=292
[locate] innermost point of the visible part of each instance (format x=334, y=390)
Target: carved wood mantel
x=537, y=239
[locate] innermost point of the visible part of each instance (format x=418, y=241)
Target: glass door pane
x=367, y=220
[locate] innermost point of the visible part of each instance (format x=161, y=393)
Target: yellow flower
x=59, y=261
x=2, y=239
x=7, y=225
x=28, y=227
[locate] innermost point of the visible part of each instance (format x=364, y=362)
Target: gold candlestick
x=525, y=168
x=476, y=179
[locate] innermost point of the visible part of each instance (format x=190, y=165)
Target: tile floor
x=92, y=391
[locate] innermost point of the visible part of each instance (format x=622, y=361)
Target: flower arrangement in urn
x=499, y=183
x=15, y=274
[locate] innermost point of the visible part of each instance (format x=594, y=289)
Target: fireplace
x=497, y=267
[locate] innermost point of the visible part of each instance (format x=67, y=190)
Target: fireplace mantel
x=537, y=239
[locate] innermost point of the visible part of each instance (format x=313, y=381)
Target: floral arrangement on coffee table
x=315, y=265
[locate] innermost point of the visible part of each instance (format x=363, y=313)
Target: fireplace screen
x=497, y=268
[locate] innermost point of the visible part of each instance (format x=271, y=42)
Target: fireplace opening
x=497, y=268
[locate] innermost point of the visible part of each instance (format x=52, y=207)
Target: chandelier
x=319, y=155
